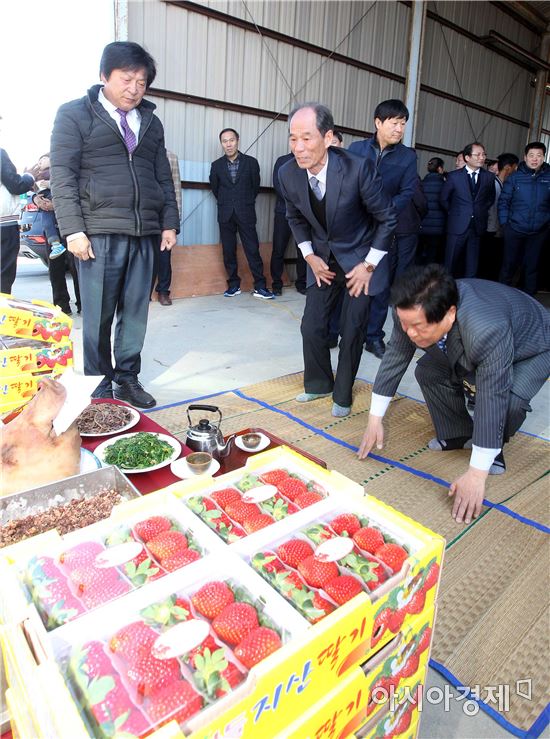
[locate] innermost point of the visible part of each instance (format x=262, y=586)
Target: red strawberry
x=346, y=524
x=368, y=539
x=167, y=544
x=82, y=555
x=395, y=620
x=235, y=622
x=133, y=641
x=273, y=477
x=294, y=551
x=317, y=573
x=291, y=487
x=239, y=511
x=257, y=645
x=432, y=576
x=392, y=555
x=410, y=666
x=380, y=577
x=212, y=598
x=343, y=588
x=113, y=705
x=229, y=679
x=209, y=643
x=180, y=560
x=151, y=527
x=95, y=663
x=424, y=642
x=380, y=625
x=178, y=701
x=308, y=498
x=255, y=523
x=103, y=591
x=225, y=496
x=148, y=675
x=278, y=507
x=416, y=603
x=321, y=604
x=288, y=581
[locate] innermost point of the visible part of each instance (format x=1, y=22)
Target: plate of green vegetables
x=141, y=451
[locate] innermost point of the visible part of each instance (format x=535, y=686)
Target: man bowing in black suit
x=466, y=196
x=343, y=223
x=487, y=348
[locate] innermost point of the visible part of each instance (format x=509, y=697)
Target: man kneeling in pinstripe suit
x=487, y=348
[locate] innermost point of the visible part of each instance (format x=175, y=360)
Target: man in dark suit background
x=281, y=235
x=235, y=182
x=343, y=222
x=482, y=341
x=466, y=197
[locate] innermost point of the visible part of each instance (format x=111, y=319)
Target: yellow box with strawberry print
x=33, y=319
x=349, y=708
x=34, y=357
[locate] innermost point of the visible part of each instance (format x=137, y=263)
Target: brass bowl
x=251, y=441
x=198, y=462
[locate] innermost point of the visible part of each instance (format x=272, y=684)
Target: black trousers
x=490, y=256
x=117, y=281
x=163, y=270
x=522, y=250
x=281, y=236
x=320, y=302
x=251, y=246
x=462, y=253
x=9, y=249
x=57, y=270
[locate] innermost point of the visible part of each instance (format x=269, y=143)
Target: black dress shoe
x=132, y=392
x=277, y=291
x=104, y=390
x=376, y=347
x=301, y=290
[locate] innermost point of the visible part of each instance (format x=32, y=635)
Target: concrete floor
x=206, y=345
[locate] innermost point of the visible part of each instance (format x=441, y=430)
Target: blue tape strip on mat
x=518, y=516
x=184, y=402
x=533, y=732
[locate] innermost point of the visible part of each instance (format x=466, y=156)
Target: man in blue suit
x=466, y=197
x=396, y=165
x=343, y=223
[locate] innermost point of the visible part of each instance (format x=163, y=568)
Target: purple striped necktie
x=129, y=135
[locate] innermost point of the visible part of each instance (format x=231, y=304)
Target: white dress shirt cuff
x=306, y=248
x=375, y=256
x=379, y=405
x=77, y=235
x=482, y=458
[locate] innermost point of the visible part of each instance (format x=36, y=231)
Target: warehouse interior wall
x=245, y=64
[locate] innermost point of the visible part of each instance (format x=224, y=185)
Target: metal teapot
x=206, y=436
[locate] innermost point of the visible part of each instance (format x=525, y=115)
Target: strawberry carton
x=29, y=355
x=176, y=648
x=273, y=486
x=33, y=319
x=90, y=567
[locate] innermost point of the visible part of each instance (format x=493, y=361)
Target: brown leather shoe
x=164, y=299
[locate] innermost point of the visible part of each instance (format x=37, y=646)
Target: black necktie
x=473, y=182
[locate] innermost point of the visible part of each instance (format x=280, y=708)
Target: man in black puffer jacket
x=524, y=214
x=114, y=200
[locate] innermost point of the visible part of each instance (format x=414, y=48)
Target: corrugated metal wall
x=212, y=59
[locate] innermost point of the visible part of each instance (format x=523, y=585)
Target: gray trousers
x=445, y=396
x=117, y=281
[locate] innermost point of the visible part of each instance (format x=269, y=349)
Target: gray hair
x=323, y=116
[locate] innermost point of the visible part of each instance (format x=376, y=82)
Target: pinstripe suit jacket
x=501, y=336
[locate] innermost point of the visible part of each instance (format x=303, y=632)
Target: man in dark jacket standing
x=396, y=164
x=466, y=197
x=524, y=213
x=432, y=228
x=114, y=199
x=235, y=182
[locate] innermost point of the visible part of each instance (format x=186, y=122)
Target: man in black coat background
x=235, y=182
